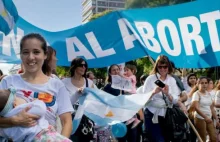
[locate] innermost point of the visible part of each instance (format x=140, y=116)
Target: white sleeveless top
x=74, y=97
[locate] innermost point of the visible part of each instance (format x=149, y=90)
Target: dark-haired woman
x=132, y=134
x=189, y=83
x=113, y=70
x=34, y=84
x=204, y=111
x=74, y=83
x=49, y=66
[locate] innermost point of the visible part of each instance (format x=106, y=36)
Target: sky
x=50, y=15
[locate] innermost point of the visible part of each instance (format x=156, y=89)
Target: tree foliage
x=100, y=73
x=152, y=3
x=97, y=15
x=62, y=71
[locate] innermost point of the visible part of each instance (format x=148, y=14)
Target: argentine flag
x=106, y=109
x=8, y=17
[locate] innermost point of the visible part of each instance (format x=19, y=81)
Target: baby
x=11, y=105
x=130, y=71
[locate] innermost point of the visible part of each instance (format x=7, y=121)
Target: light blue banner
x=8, y=16
x=187, y=33
x=110, y=107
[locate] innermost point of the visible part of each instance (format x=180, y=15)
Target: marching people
x=38, y=81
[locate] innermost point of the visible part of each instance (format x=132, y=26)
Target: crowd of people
x=36, y=105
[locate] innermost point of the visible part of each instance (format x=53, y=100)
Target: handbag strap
x=164, y=98
x=87, y=83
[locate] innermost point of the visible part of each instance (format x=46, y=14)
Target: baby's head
x=130, y=70
x=8, y=101
x=4, y=96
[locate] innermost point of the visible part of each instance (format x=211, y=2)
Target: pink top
x=133, y=81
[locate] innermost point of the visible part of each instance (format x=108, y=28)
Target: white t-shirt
x=205, y=101
x=185, y=84
x=140, y=90
x=217, y=101
x=73, y=89
x=21, y=134
x=212, y=93
x=53, y=93
x=217, y=97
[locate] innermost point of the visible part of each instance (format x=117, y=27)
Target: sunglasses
x=82, y=65
x=164, y=67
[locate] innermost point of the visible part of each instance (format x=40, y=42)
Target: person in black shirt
x=113, y=70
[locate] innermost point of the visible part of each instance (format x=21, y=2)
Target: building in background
x=91, y=7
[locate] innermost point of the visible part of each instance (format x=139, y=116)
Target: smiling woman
x=34, y=84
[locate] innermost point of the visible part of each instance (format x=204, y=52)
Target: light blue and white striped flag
x=8, y=16
x=106, y=109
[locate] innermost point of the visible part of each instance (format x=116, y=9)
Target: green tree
x=152, y=3
x=95, y=16
x=62, y=71
x=100, y=73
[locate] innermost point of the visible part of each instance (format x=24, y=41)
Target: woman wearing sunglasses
x=74, y=83
x=155, y=108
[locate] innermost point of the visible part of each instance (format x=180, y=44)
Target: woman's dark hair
x=36, y=36
x=190, y=75
x=76, y=63
x=4, y=98
x=162, y=59
x=1, y=73
x=203, y=77
x=209, y=79
x=109, y=78
x=143, y=78
x=46, y=68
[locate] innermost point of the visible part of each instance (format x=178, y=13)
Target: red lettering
x=26, y=93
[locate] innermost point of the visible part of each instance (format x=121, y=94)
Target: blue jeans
x=154, y=131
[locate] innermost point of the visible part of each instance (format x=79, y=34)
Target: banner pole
x=194, y=129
